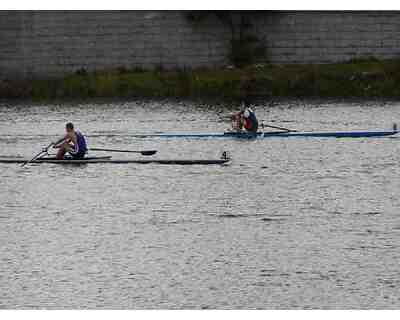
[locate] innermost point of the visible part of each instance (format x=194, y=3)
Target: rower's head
x=69, y=127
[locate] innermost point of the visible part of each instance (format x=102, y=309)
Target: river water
x=291, y=223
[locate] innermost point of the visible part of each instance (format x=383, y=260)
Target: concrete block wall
x=52, y=43
x=323, y=37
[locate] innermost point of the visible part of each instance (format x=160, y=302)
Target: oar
x=44, y=150
x=143, y=153
x=280, y=128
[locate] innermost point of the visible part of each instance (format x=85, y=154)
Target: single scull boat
x=116, y=161
x=272, y=134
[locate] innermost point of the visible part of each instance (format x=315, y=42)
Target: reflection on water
x=291, y=223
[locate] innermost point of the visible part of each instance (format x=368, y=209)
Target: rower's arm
x=74, y=140
x=59, y=141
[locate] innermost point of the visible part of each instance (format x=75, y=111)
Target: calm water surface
x=291, y=223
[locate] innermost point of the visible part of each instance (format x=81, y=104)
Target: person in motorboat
x=73, y=142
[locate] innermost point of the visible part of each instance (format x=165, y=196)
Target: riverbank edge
x=369, y=78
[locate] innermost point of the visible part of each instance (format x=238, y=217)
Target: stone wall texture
x=53, y=43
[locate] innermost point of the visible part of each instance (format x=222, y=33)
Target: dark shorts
x=77, y=156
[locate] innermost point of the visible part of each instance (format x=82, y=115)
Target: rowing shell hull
x=261, y=135
x=121, y=161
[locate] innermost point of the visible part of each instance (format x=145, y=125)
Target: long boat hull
x=121, y=161
x=276, y=134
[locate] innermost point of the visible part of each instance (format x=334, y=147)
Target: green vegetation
x=358, y=78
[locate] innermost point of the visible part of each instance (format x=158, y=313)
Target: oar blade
x=149, y=152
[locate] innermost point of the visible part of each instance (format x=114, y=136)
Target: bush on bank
x=358, y=78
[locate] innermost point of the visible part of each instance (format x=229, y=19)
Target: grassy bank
x=362, y=78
